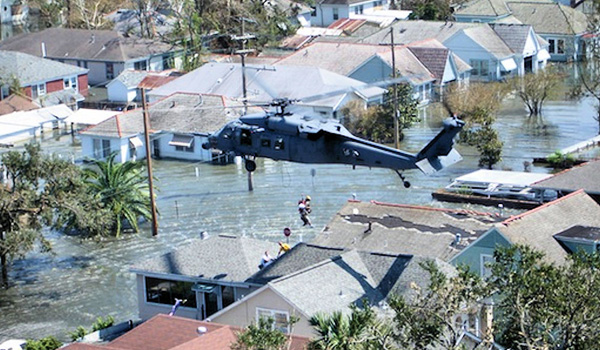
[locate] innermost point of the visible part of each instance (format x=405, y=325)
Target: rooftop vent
x=201, y=330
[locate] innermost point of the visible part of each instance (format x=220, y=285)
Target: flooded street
x=81, y=280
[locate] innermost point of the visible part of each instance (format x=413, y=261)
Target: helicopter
x=282, y=135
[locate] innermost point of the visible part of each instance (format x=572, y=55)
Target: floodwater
x=81, y=280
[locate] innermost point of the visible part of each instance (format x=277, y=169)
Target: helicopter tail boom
x=439, y=152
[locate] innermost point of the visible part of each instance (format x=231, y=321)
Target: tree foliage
x=429, y=320
x=535, y=88
x=41, y=191
x=261, y=336
x=122, y=188
x=361, y=329
x=558, y=160
x=376, y=123
x=47, y=343
x=546, y=306
x=477, y=105
x=429, y=10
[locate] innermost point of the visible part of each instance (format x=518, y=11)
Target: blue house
x=564, y=226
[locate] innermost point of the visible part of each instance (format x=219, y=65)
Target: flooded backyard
x=52, y=294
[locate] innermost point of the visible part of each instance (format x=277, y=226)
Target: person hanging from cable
x=304, y=214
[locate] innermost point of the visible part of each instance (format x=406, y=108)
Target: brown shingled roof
x=15, y=103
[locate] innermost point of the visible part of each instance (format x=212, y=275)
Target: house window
x=313, y=12
x=358, y=10
x=101, y=148
x=336, y=14
x=70, y=83
x=227, y=295
x=4, y=92
x=83, y=64
x=481, y=68
x=140, y=65
x=110, y=71
x=486, y=260
x=280, y=319
x=556, y=46
x=165, y=292
x=279, y=144
x=38, y=90
x=168, y=61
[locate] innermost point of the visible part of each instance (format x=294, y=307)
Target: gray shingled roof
x=486, y=37
x=406, y=32
x=101, y=45
x=31, y=69
x=550, y=17
x=493, y=8
x=514, y=35
x=265, y=83
x=131, y=78
x=583, y=233
x=334, y=284
x=585, y=176
x=225, y=258
x=299, y=257
x=434, y=59
x=404, y=229
x=461, y=65
x=538, y=226
x=178, y=113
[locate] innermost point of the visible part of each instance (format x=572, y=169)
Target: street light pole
x=149, y=163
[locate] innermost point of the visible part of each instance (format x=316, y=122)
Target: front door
x=528, y=64
x=156, y=147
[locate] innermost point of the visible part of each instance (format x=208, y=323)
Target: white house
x=24, y=125
x=266, y=83
x=180, y=124
x=328, y=11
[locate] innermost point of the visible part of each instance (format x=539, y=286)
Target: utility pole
x=149, y=163
x=243, y=52
x=395, y=97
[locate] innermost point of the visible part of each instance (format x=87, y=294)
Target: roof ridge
x=446, y=210
x=566, y=18
x=545, y=205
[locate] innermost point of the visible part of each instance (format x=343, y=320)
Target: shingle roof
x=583, y=233
x=299, y=257
x=406, y=32
x=550, y=17
x=101, y=45
x=340, y=2
x=226, y=258
x=178, y=113
x=461, y=65
x=344, y=58
x=334, y=284
x=434, y=59
x=130, y=78
x=264, y=83
x=538, y=226
x=585, y=176
x=30, y=69
x=486, y=37
x=404, y=229
x=493, y=8
x=16, y=103
x=514, y=35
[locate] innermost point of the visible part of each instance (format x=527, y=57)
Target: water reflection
x=53, y=294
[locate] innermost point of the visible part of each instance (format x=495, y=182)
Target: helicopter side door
x=274, y=146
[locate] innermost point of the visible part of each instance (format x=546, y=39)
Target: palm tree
x=122, y=188
x=361, y=330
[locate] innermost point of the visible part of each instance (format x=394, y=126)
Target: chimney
x=43, y=49
x=457, y=239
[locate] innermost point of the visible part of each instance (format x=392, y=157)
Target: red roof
x=15, y=103
x=163, y=332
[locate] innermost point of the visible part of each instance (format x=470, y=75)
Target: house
x=104, y=52
x=264, y=83
x=125, y=88
x=41, y=78
x=180, y=124
x=557, y=228
x=16, y=103
x=478, y=44
x=531, y=51
x=561, y=26
x=330, y=285
x=425, y=67
x=328, y=11
x=404, y=229
x=24, y=125
x=12, y=11
x=211, y=274
x=163, y=332
x=585, y=176
x=85, y=117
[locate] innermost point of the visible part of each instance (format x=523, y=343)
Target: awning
x=182, y=140
x=204, y=288
x=508, y=64
x=136, y=142
x=543, y=55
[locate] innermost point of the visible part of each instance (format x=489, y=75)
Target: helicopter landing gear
x=405, y=183
x=249, y=164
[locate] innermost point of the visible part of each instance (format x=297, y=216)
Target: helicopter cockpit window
x=265, y=143
x=246, y=137
x=279, y=145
